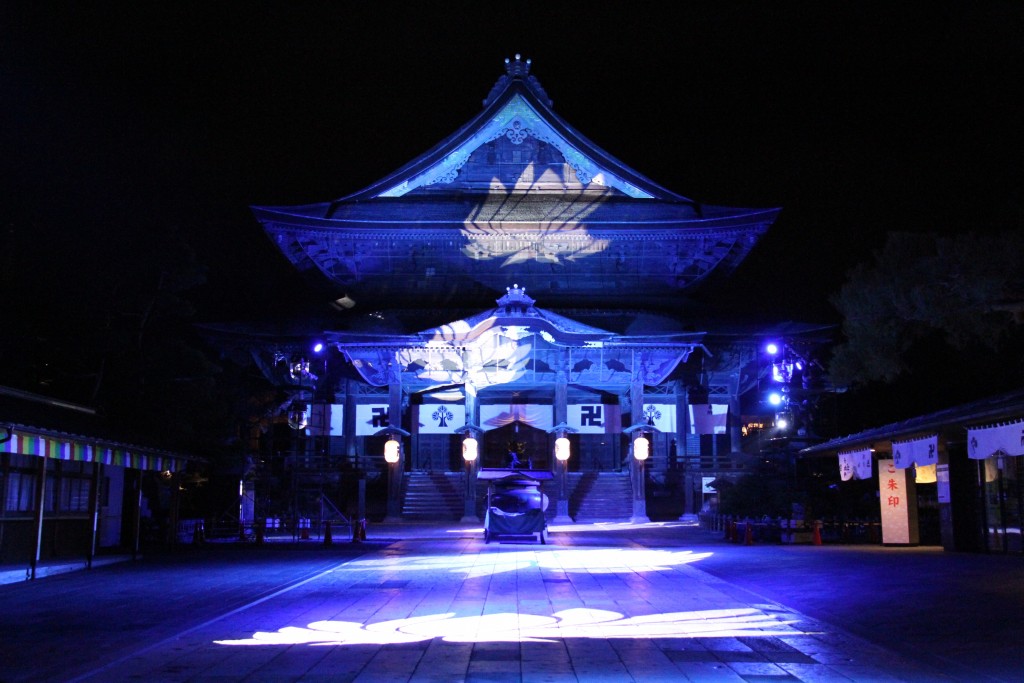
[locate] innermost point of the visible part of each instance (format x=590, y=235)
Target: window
x=21, y=492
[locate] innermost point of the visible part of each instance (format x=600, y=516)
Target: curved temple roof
x=516, y=194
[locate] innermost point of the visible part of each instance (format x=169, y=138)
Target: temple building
x=510, y=287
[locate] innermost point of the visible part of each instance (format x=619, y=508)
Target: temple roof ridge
x=517, y=107
x=518, y=69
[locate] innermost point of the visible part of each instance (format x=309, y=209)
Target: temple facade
x=512, y=286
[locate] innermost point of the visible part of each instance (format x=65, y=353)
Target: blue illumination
x=318, y=347
x=775, y=398
x=771, y=348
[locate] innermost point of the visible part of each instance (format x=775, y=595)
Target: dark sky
x=118, y=123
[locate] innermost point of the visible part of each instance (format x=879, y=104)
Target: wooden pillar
x=561, y=415
x=561, y=403
x=469, y=515
x=94, y=510
x=636, y=467
x=38, y=517
x=735, y=419
x=396, y=471
x=5, y=482
x=136, y=513
x=349, y=434
x=690, y=505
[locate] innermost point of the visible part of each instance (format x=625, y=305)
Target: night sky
x=120, y=123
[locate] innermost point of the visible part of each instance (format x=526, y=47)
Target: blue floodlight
x=318, y=347
x=775, y=398
x=771, y=348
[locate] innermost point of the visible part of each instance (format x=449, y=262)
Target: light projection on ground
x=476, y=565
x=518, y=627
x=523, y=626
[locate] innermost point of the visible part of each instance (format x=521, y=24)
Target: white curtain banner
x=326, y=420
x=371, y=418
x=708, y=418
x=441, y=418
x=1007, y=439
x=855, y=464
x=499, y=415
x=594, y=418
x=916, y=451
x=662, y=416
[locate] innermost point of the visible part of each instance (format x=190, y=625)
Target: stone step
x=431, y=495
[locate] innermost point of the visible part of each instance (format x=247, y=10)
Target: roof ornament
x=518, y=67
x=515, y=300
x=518, y=70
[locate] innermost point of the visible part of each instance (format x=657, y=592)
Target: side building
x=71, y=491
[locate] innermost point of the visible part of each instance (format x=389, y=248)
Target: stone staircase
x=602, y=497
x=432, y=496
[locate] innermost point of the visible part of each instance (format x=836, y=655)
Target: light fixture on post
x=391, y=451
x=563, y=452
x=562, y=449
x=641, y=447
x=392, y=456
x=470, y=449
x=471, y=456
x=641, y=452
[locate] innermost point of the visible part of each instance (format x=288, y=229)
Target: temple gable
x=518, y=135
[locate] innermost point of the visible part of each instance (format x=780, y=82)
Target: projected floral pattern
x=593, y=561
x=518, y=627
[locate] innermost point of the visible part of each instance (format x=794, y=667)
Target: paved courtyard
x=665, y=602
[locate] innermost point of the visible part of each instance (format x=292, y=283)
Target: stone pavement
x=435, y=603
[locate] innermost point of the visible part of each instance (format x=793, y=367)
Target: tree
x=964, y=292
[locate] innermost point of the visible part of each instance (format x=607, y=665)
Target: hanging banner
x=708, y=418
x=594, y=418
x=661, y=416
x=942, y=482
x=1006, y=439
x=25, y=443
x=326, y=420
x=371, y=418
x=899, y=521
x=499, y=415
x=337, y=420
x=441, y=418
x=916, y=451
x=855, y=464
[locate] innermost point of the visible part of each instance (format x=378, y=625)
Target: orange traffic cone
x=749, y=538
x=817, y=533
x=328, y=539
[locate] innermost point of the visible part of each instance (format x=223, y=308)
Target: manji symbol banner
x=371, y=418
x=596, y=418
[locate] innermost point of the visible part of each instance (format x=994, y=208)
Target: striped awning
x=79, y=449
